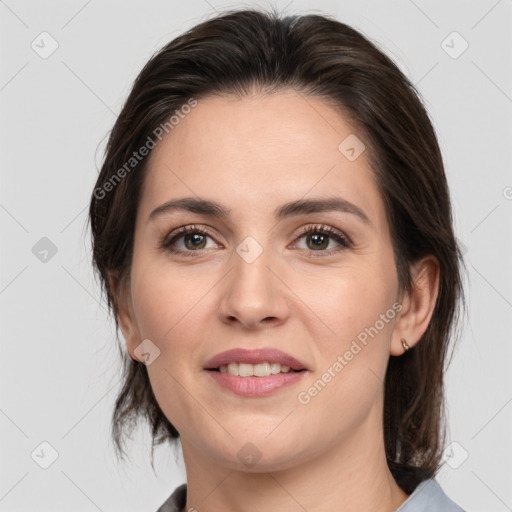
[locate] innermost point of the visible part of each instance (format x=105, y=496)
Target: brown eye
x=194, y=241
x=186, y=240
x=318, y=238
x=318, y=241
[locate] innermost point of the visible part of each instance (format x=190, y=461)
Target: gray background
x=58, y=357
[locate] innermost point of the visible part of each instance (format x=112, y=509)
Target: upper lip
x=243, y=355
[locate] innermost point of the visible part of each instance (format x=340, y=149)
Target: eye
x=190, y=239
x=319, y=237
x=186, y=239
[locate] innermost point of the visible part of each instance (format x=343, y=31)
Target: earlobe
x=417, y=306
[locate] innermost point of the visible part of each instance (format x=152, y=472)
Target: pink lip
x=243, y=355
x=255, y=386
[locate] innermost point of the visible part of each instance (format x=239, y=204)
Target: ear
x=124, y=312
x=418, y=305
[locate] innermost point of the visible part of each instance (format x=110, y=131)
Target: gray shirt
x=427, y=497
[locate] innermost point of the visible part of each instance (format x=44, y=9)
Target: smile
x=257, y=370
x=252, y=385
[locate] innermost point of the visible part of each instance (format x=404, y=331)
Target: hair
x=242, y=51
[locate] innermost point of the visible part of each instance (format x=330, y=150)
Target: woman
x=273, y=230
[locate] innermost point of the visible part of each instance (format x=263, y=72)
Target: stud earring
x=404, y=344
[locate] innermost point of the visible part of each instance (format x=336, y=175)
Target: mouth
x=263, y=369
x=260, y=362
x=255, y=380
x=255, y=373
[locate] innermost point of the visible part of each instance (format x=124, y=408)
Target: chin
x=257, y=453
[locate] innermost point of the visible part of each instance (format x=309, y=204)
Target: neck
x=352, y=474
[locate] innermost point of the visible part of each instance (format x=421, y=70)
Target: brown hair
x=315, y=55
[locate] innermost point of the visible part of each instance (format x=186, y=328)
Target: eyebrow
x=291, y=209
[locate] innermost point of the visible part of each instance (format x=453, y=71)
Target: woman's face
x=254, y=280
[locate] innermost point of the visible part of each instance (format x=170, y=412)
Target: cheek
x=351, y=363
x=170, y=309
x=352, y=340
x=171, y=306
x=345, y=301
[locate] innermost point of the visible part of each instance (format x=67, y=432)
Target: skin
x=252, y=155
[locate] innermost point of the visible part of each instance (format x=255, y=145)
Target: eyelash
x=344, y=242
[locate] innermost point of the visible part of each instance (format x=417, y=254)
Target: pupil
x=195, y=237
x=319, y=240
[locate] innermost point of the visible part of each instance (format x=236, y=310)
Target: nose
x=253, y=295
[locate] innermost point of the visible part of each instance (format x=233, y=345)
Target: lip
x=256, y=386
x=254, y=356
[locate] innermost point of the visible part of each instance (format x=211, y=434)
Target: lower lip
x=256, y=386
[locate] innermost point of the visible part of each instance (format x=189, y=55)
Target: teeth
x=259, y=370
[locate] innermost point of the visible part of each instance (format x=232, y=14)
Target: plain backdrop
x=66, y=68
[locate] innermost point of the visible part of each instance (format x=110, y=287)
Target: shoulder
x=429, y=496
x=176, y=501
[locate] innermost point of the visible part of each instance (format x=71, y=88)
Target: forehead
x=258, y=152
